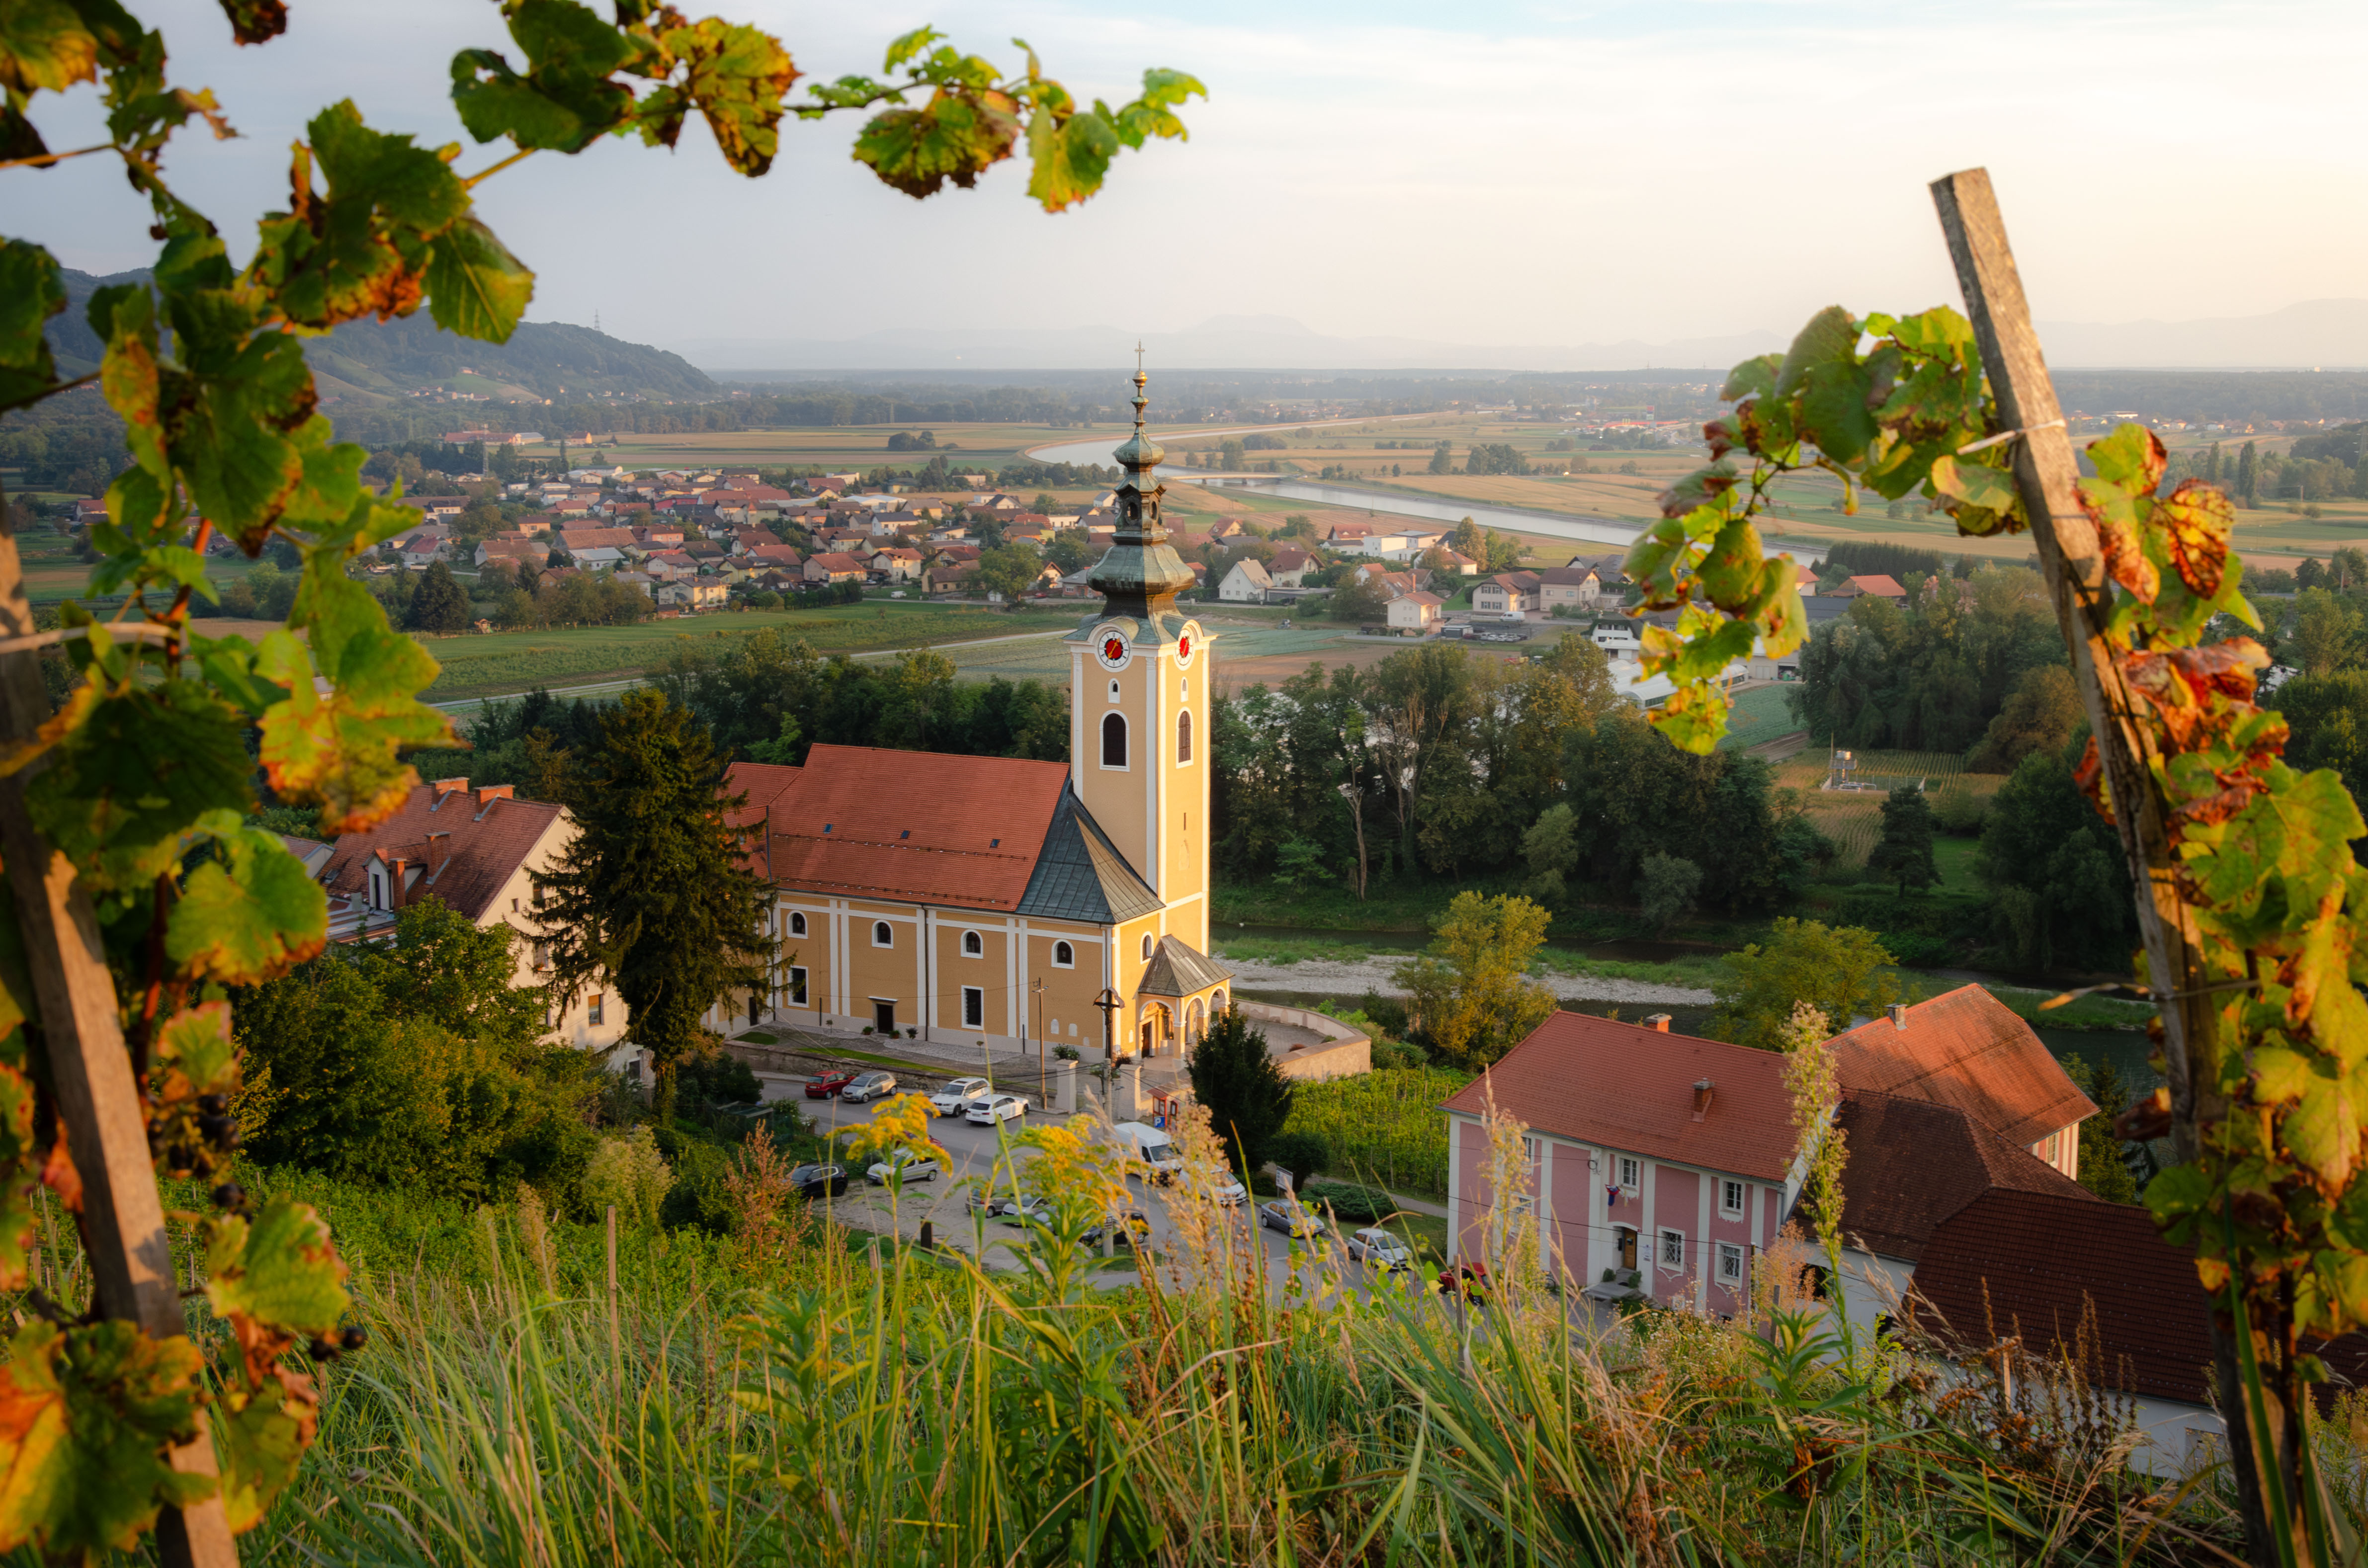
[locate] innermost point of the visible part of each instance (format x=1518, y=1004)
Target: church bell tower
x=1139, y=673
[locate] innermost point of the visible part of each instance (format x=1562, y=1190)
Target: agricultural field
x=846, y=446
x=1853, y=818
x=1761, y=714
x=501, y=662
x=1384, y=1128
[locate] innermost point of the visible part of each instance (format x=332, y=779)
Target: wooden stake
x=90, y=1074
x=2072, y=561
x=616, y=1352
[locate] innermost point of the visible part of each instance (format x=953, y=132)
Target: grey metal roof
x=1080, y=876
x=1177, y=969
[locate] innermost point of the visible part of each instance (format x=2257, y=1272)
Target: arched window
x=797, y=924
x=1147, y=947
x=1217, y=1004
x=882, y=936
x=1184, y=737
x=1113, y=740
x=1064, y=956
x=974, y=945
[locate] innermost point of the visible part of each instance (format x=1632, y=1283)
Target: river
x=1101, y=452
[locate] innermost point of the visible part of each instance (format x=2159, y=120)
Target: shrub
x=1959, y=811
x=1350, y=1203
x=1304, y=1155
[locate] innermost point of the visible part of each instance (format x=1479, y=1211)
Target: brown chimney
x=488, y=793
x=444, y=786
x=1657, y=1021
x=1898, y=1011
x=1702, y=1087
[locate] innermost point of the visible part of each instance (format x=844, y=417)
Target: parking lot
x=980, y=1155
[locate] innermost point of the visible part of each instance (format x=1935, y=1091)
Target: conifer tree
x=652, y=898
x=439, y=603
x=1905, y=854
x=2249, y=474
x=1247, y=1097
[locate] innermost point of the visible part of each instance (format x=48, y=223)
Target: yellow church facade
x=1003, y=900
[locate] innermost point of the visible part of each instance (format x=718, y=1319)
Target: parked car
x=1468, y=1279
x=868, y=1087
x=1021, y=1208
x=1231, y=1194
x=1383, y=1250
x=1290, y=1220
x=1131, y=1229
x=818, y=1181
x=823, y=1085
x=988, y=1109
x=917, y=1166
x=1151, y=1154
x=955, y=1098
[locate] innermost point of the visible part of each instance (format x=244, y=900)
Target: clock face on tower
x=1111, y=647
x=1188, y=643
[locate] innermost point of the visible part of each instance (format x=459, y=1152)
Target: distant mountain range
x=2317, y=333
x=368, y=361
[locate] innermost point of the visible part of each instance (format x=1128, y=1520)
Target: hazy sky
x=1475, y=173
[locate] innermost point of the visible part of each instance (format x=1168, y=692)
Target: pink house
x=1657, y=1163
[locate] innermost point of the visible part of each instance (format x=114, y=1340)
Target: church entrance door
x=883, y=1017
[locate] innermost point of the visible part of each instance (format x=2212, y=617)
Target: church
x=961, y=899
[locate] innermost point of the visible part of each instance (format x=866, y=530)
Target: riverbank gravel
x=1349, y=980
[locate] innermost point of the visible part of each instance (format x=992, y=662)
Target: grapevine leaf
x=1693, y=718
x=2197, y=520
x=248, y=914
x=342, y=749
x=1990, y=489
x=87, y=1414
x=1753, y=378
x=2176, y=1197
x=255, y=22
x=2322, y=1133
x=1068, y=156
x=2114, y=511
x=2280, y=1075
x=565, y=101
x=137, y=765
x=194, y=1048
x=1153, y=113
x=1656, y=561
x=261, y=1436
x=1824, y=378
x=358, y=247
x=1730, y=572
x=30, y=293
x=277, y=1268
x=43, y=44
x=734, y=74
x=958, y=135
x=2131, y=459
x=475, y=287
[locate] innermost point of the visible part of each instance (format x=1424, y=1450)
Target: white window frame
x=1631, y=1173
x=1147, y=947
x=1101, y=744
x=1661, y=1247
x=973, y=1004
x=797, y=922
x=595, y=1012
x=797, y=985
x=1060, y=963
x=1730, y=1188
x=974, y=946
x=1730, y=1265
x=879, y=925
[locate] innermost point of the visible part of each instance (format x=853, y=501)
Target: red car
x=1469, y=1279
x=829, y=1084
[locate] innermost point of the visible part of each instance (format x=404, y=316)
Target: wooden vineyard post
x=616, y=1352
x=2072, y=561
x=90, y=1074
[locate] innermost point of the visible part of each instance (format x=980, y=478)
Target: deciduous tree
x=1840, y=971
x=1472, y=994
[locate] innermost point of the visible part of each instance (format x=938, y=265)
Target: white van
x=1152, y=1148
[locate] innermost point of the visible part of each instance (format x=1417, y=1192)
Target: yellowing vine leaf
x=87, y=1414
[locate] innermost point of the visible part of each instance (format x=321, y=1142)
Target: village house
x=1568, y=587
x=1878, y=587
x=1246, y=583
x=897, y=563
x=1507, y=593
x=1445, y=560
x=476, y=851
x=1656, y=1164
x=1289, y=565
x=1967, y=1049
x=1347, y=536
x=1415, y=612
x=947, y=575
x=691, y=594
x=530, y=553
x=834, y=567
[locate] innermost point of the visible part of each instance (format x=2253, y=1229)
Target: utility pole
x=1044, y=1070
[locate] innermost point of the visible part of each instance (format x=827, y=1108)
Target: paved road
x=980, y=1156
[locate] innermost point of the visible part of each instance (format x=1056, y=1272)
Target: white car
x=915, y=1166
x=1232, y=1193
x=1376, y=1246
x=955, y=1098
x=988, y=1109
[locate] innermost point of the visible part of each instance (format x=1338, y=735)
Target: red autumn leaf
x=2091, y=776
x=2196, y=520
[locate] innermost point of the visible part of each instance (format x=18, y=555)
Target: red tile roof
x=1912, y=1163
x=1879, y=586
x=1969, y=1050
x=924, y=827
x=1624, y=1087
x=2024, y=1264
x=471, y=846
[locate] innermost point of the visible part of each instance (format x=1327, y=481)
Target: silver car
x=868, y=1087
x=1383, y=1250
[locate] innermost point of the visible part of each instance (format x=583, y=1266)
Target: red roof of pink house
x=1965, y=1049
x=1914, y=1162
x=1624, y=1087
